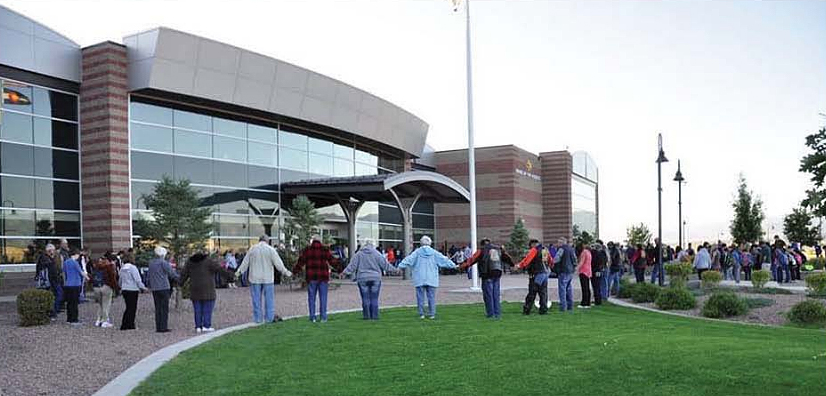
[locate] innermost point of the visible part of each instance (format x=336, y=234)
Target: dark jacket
x=317, y=259
x=200, y=270
x=110, y=276
x=50, y=264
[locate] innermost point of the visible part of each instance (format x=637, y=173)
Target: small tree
x=815, y=164
x=748, y=215
x=797, y=226
x=518, y=243
x=583, y=237
x=302, y=223
x=638, y=235
x=178, y=220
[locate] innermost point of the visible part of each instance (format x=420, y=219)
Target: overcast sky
x=734, y=86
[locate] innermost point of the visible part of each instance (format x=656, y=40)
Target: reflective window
x=367, y=158
x=25, y=250
x=17, y=159
x=292, y=139
x=196, y=170
x=423, y=221
x=231, y=225
x=16, y=127
x=262, y=133
x=17, y=96
x=321, y=164
x=231, y=201
x=286, y=175
x=66, y=195
x=584, y=205
x=17, y=222
x=343, y=151
x=229, y=128
x=390, y=214
x=292, y=159
x=17, y=192
x=55, y=133
x=189, y=120
x=262, y=154
x=262, y=177
x=59, y=224
x=139, y=190
x=193, y=143
x=369, y=212
x=150, y=113
x=365, y=170
x=151, y=166
x=149, y=137
x=55, y=104
x=58, y=164
x=229, y=174
x=262, y=225
x=343, y=167
x=423, y=206
x=229, y=149
x=321, y=146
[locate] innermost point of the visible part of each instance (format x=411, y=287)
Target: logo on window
x=13, y=97
x=528, y=166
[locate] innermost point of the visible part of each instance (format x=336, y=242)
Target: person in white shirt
x=131, y=286
x=261, y=260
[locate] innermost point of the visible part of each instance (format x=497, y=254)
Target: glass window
x=423, y=221
x=321, y=164
x=286, y=175
x=229, y=149
x=263, y=203
x=139, y=190
x=17, y=96
x=16, y=127
x=149, y=137
x=369, y=212
x=57, y=224
x=262, y=178
x=18, y=250
x=263, y=225
x=229, y=128
x=66, y=195
x=343, y=152
x=196, y=170
x=55, y=104
x=17, y=159
x=55, y=163
x=367, y=158
x=229, y=174
x=232, y=201
x=262, y=133
x=189, y=120
x=365, y=170
x=321, y=146
x=332, y=213
x=343, y=168
x=193, y=143
x=390, y=233
x=392, y=164
x=15, y=222
x=292, y=159
x=150, y=113
x=17, y=192
x=55, y=133
x=423, y=206
x=390, y=214
x=262, y=154
x=292, y=139
x=151, y=166
x=231, y=225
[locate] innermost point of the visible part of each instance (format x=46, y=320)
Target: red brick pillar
x=557, y=210
x=104, y=138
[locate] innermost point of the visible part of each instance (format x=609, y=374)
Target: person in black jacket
x=52, y=263
x=536, y=264
x=599, y=263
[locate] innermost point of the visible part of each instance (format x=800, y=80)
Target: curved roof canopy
x=180, y=63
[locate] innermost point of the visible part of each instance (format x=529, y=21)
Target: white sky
x=733, y=86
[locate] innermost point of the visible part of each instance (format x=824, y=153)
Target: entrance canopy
x=404, y=188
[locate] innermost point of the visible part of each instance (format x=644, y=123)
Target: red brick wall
x=556, y=195
x=104, y=137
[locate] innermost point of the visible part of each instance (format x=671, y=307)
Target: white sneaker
x=97, y=323
x=106, y=325
x=198, y=330
x=421, y=317
x=208, y=329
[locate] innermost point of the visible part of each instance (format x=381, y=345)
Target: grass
x=606, y=349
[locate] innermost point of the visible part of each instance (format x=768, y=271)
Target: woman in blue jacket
x=425, y=263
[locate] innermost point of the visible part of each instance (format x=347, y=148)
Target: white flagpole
x=471, y=156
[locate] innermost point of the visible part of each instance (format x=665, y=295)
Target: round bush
x=675, y=298
x=723, y=305
x=645, y=292
x=711, y=279
x=760, y=278
x=34, y=306
x=808, y=312
x=816, y=283
x=678, y=272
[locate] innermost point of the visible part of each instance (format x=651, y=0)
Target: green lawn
x=603, y=351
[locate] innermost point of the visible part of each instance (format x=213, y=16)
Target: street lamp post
x=678, y=177
x=660, y=159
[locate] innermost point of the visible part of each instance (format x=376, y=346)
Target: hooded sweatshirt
x=368, y=265
x=425, y=263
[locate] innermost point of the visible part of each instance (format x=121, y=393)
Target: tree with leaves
x=747, y=224
x=797, y=226
x=517, y=246
x=815, y=164
x=178, y=221
x=638, y=235
x=302, y=224
x=583, y=237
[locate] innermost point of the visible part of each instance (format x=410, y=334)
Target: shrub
x=711, y=279
x=645, y=292
x=678, y=272
x=767, y=290
x=724, y=304
x=816, y=283
x=819, y=263
x=760, y=278
x=34, y=306
x=626, y=289
x=808, y=312
x=676, y=298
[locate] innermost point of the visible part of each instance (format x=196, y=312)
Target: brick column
x=557, y=218
x=104, y=138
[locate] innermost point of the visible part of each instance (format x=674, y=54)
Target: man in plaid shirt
x=317, y=259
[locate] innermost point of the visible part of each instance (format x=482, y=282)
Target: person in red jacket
x=536, y=264
x=317, y=259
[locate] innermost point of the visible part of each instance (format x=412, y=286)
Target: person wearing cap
x=368, y=264
x=535, y=262
x=425, y=263
x=490, y=258
x=159, y=273
x=262, y=260
x=317, y=259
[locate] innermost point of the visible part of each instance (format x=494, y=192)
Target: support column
x=406, y=207
x=351, y=211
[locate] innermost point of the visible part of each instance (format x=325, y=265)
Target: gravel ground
x=58, y=359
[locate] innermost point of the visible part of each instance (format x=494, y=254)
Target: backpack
x=41, y=280
x=566, y=262
x=491, y=260
x=98, y=278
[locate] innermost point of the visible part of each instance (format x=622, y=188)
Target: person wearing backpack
x=490, y=259
x=564, y=264
x=104, y=286
x=599, y=264
x=534, y=262
x=614, y=268
x=425, y=263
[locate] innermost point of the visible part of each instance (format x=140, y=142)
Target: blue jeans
x=566, y=292
x=736, y=273
x=369, y=291
x=203, y=313
x=490, y=293
x=655, y=273
x=317, y=288
x=614, y=280
x=604, y=286
x=431, y=300
x=268, y=291
x=57, y=290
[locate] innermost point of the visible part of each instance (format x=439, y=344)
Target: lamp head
x=678, y=177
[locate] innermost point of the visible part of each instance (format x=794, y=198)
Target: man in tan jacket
x=262, y=260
